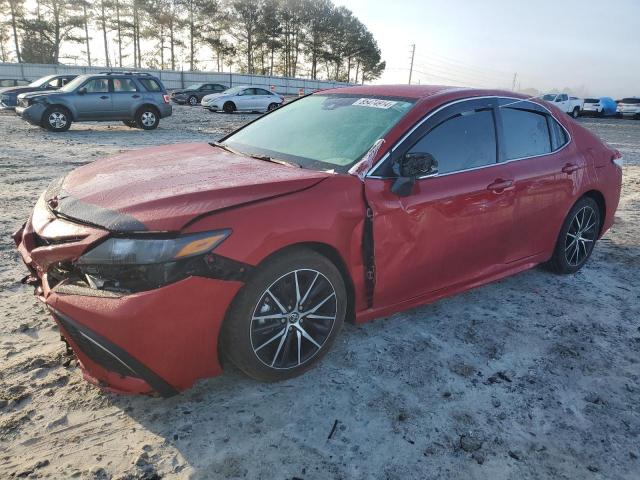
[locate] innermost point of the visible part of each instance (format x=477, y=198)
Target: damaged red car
x=346, y=205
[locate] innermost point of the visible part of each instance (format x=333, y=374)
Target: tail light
x=617, y=159
x=166, y=98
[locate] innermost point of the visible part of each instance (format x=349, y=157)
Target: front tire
x=192, y=100
x=147, y=118
x=577, y=237
x=575, y=112
x=286, y=317
x=130, y=123
x=56, y=119
x=229, y=107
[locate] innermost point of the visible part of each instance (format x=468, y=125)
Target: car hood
x=211, y=96
x=164, y=188
x=40, y=93
x=15, y=90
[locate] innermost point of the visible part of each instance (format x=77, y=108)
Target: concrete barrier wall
x=173, y=79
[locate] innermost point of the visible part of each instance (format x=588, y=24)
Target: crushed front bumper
x=160, y=340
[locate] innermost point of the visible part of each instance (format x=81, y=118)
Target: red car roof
x=419, y=91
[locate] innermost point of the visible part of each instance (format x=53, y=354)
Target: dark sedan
x=193, y=94
x=9, y=95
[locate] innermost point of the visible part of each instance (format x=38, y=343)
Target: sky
x=589, y=46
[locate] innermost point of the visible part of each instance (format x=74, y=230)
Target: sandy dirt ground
x=535, y=376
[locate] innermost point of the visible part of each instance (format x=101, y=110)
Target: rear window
x=150, y=84
x=630, y=100
x=591, y=100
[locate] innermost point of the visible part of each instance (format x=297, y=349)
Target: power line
x=413, y=53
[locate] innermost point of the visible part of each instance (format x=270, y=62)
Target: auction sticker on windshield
x=374, y=102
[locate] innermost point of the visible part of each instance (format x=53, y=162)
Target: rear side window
x=558, y=134
x=462, y=142
x=526, y=133
x=124, y=85
x=150, y=84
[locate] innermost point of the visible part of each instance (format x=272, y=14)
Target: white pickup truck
x=571, y=105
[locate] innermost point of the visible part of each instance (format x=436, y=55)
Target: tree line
x=293, y=38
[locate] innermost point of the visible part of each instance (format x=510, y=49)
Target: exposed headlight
x=144, y=251
x=138, y=264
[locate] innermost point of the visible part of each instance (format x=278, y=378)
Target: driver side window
x=462, y=142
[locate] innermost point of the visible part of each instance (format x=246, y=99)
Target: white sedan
x=243, y=99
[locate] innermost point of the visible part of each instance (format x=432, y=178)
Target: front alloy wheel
x=56, y=119
x=286, y=317
x=293, y=319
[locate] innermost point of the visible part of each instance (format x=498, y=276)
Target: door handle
x=104, y=97
x=569, y=168
x=135, y=96
x=499, y=185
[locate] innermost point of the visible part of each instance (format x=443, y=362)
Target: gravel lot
x=535, y=376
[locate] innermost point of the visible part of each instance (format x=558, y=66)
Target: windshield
x=195, y=86
x=632, y=101
x=41, y=81
x=550, y=97
x=73, y=84
x=321, y=132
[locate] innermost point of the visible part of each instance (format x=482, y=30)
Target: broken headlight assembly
x=129, y=265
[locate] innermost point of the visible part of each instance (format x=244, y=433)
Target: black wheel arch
x=145, y=106
x=602, y=206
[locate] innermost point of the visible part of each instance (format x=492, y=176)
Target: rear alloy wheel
x=229, y=107
x=193, y=100
x=577, y=237
x=576, y=112
x=272, y=106
x=147, y=118
x=56, y=119
x=286, y=317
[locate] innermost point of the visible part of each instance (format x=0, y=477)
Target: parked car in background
x=9, y=95
x=629, y=107
x=354, y=203
x=13, y=82
x=243, y=99
x=136, y=99
x=193, y=94
x=601, y=107
x=570, y=105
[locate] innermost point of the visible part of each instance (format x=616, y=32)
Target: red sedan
x=348, y=204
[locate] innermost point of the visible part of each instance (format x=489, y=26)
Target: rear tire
x=275, y=331
x=56, y=119
x=272, y=106
x=147, y=118
x=577, y=237
x=229, y=107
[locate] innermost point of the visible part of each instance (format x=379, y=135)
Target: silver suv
x=137, y=99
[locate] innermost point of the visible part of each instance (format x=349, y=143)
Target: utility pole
x=413, y=52
x=513, y=84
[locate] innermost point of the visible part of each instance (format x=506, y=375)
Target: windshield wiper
x=257, y=156
x=267, y=158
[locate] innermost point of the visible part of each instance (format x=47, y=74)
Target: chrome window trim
x=466, y=99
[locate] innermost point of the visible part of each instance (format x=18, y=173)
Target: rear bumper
x=166, y=109
x=161, y=340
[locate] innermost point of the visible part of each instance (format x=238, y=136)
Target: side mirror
x=82, y=91
x=409, y=168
